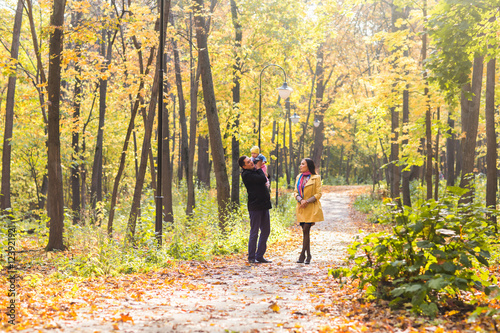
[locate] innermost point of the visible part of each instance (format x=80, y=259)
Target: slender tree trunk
x=55, y=198
x=223, y=190
x=394, y=169
x=406, y=121
x=75, y=136
x=491, y=145
x=167, y=179
x=300, y=154
x=235, y=144
x=428, y=124
x=437, y=162
x=470, y=119
x=121, y=167
x=96, y=185
x=9, y=110
x=450, y=152
x=194, y=82
x=146, y=147
x=320, y=107
x=184, y=155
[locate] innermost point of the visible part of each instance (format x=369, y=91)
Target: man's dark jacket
x=258, y=193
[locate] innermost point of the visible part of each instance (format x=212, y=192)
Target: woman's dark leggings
x=306, y=240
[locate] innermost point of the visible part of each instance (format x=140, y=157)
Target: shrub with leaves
x=436, y=250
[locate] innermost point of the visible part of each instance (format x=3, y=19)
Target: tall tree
x=55, y=201
x=450, y=151
x=223, y=195
x=235, y=144
x=193, y=121
x=428, y=125
x=491, y=145
x=146, y=145
x=9, y=109
x=75, y=135
x=184, y=154
x=470, y=119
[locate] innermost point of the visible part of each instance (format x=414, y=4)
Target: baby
x=259, y=163
x=259, y=160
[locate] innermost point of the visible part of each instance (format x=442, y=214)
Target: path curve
x=237, y=297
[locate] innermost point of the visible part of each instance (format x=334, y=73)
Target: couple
x=307, y=192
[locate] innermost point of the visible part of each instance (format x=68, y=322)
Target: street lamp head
x=285, y=91
x=295, y=118
x=316, y=122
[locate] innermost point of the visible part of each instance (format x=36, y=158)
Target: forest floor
x=227, y=294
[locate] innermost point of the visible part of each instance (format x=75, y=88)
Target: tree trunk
x=470, y=119
x=300, y=154
x=146, y=147
x=491, y=145
x=203, y=161
x=75, y=135
x=235, y=144
x=394, y=169
x=193, y=122
x=320, y=107
x=436, y=157
x=9, y=110
x=406, y=121
x=96, y=185
x=184, y=155
x=121, y=167
x=55, y=207
x=450, y=152
x=223, y=190
x=167, y=208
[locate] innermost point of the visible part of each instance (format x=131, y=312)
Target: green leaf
x=437, y=284
x=390, y=270
x=464, y=260
x=425, y=244
x=430, y=309
x=482, y=260
x=449, y=267
x=413, y=288
x=398, y=291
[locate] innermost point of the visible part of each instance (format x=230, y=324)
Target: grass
x=92, y=253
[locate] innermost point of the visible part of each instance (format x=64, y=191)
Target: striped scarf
x=303, y=178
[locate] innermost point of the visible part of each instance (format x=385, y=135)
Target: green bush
x=436, y=250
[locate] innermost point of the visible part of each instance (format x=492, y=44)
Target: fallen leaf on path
x=275, y=307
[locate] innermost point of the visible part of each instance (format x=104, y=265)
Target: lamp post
x=159, y=197
x=284, y=92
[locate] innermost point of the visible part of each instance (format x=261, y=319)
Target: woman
x=307, y=192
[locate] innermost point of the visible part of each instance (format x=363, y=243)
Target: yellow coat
x=313, y=212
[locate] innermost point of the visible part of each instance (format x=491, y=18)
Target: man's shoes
x=252, y=261
x=262, y=260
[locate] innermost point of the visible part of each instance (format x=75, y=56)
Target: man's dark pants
x=259, y=219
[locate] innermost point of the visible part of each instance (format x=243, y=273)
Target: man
x=259, y=203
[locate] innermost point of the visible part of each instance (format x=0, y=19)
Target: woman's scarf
x=303, y=178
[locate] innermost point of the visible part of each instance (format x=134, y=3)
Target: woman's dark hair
x=310, y=166
x=241, y=161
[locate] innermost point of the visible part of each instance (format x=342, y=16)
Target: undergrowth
x=437, y=252
x=92, y=253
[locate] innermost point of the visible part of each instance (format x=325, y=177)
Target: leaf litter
x=227, y=294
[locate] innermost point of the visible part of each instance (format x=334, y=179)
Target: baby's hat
x=254, y=149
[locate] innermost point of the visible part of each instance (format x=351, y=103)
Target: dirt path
x=234, y=296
